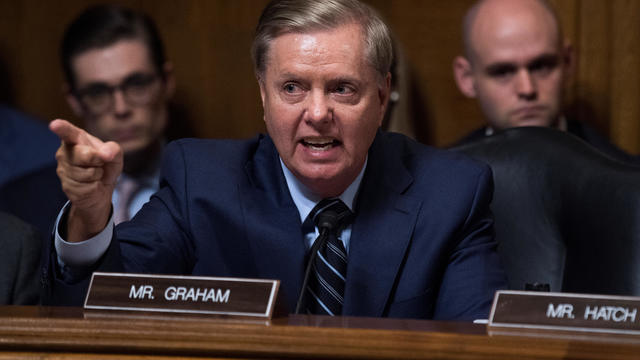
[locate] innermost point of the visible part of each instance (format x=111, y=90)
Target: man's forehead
x=342, y=44
x=514, y=43
x=500, y=27
x=112, y=63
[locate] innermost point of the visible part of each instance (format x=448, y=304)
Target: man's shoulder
x=221, y=160
x=421, y=158
x=23, y=126
x=600, y=142
x=227, y=150
x=26, y=144
x=403, y=165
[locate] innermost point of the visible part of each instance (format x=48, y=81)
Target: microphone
x=326, y=221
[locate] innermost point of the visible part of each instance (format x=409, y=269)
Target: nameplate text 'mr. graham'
x=234, y=297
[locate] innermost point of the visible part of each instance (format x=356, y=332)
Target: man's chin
x=323, y=181
x=132, y=147
x=532, y=122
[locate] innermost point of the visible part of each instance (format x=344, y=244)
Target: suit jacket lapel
x=273, y=226
x=384, y=223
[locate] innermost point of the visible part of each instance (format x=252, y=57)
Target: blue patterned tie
x=324, y=293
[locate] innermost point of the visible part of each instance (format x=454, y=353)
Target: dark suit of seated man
x=21, y=248
x=26, y=145
x=420, y=243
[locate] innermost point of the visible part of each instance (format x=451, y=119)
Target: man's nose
x=525, y=85
x=120, y=105
x=319, y=109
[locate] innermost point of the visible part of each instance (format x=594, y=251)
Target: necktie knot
x=331, y=214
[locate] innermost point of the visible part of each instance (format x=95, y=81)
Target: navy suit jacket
x=421, y=244
x=36, y=198
x=26, y=144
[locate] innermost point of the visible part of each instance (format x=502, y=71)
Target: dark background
x=217, y=96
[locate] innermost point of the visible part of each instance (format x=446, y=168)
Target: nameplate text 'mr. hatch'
x=235, y=297
x=530, y=310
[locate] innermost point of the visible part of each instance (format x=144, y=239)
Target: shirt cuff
x=83, y=253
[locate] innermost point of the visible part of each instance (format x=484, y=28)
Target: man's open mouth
x=320, y=143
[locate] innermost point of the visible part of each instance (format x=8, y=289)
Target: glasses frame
x=150, y=80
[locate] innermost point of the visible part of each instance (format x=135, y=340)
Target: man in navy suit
x=421, y=242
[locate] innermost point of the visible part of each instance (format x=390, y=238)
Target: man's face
x=135, y=113
x=323, y=103
x=518, y=70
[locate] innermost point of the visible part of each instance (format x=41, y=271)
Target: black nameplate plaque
x=235, y=297
x=565, y=312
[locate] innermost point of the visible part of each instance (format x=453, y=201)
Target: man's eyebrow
x=500, y=66
x=93, y=85
x=544, y=59
x=131, y=76
x=288, y=76
x=344, y=79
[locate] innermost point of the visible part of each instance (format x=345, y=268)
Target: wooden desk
x=68, y=333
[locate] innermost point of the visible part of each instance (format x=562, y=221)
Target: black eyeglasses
x=137, y=90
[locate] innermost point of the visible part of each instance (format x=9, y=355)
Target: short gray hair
x=302, y=16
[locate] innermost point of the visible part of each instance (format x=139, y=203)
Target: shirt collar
x=150, y=180
x=305, y=200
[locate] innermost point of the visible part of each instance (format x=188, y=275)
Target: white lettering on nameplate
x=142, y=292
x=610, y=313
x=560, y=311
x=196, y=294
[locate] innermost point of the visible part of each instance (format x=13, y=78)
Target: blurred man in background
x=516, y=63
x=118, y=82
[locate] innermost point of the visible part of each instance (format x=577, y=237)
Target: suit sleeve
x=156, y=240
x=474, y=268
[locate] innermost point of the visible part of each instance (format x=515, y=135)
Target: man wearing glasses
x=119, y=83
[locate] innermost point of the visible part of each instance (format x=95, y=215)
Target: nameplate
x=565, y=312
x=236, y=297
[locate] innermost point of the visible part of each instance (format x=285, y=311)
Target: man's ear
x=262, y=89
x=384, y=91
x=263, y=92
x=73, y=102
x=568, y=59
x=464, y=76
x=169, y=80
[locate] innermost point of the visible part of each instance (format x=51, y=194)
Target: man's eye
x=344, y=90
x=501, y=72
x=97, y=91
x=291, y=88
x=543, y=67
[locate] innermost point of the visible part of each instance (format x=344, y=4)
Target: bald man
x=515, y=64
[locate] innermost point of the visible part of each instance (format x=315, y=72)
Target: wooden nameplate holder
x=564, y=312
x=173, y=294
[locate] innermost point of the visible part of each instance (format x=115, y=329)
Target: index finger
x=72, y=135
x=66, y=131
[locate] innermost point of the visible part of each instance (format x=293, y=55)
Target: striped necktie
x=324, y=293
